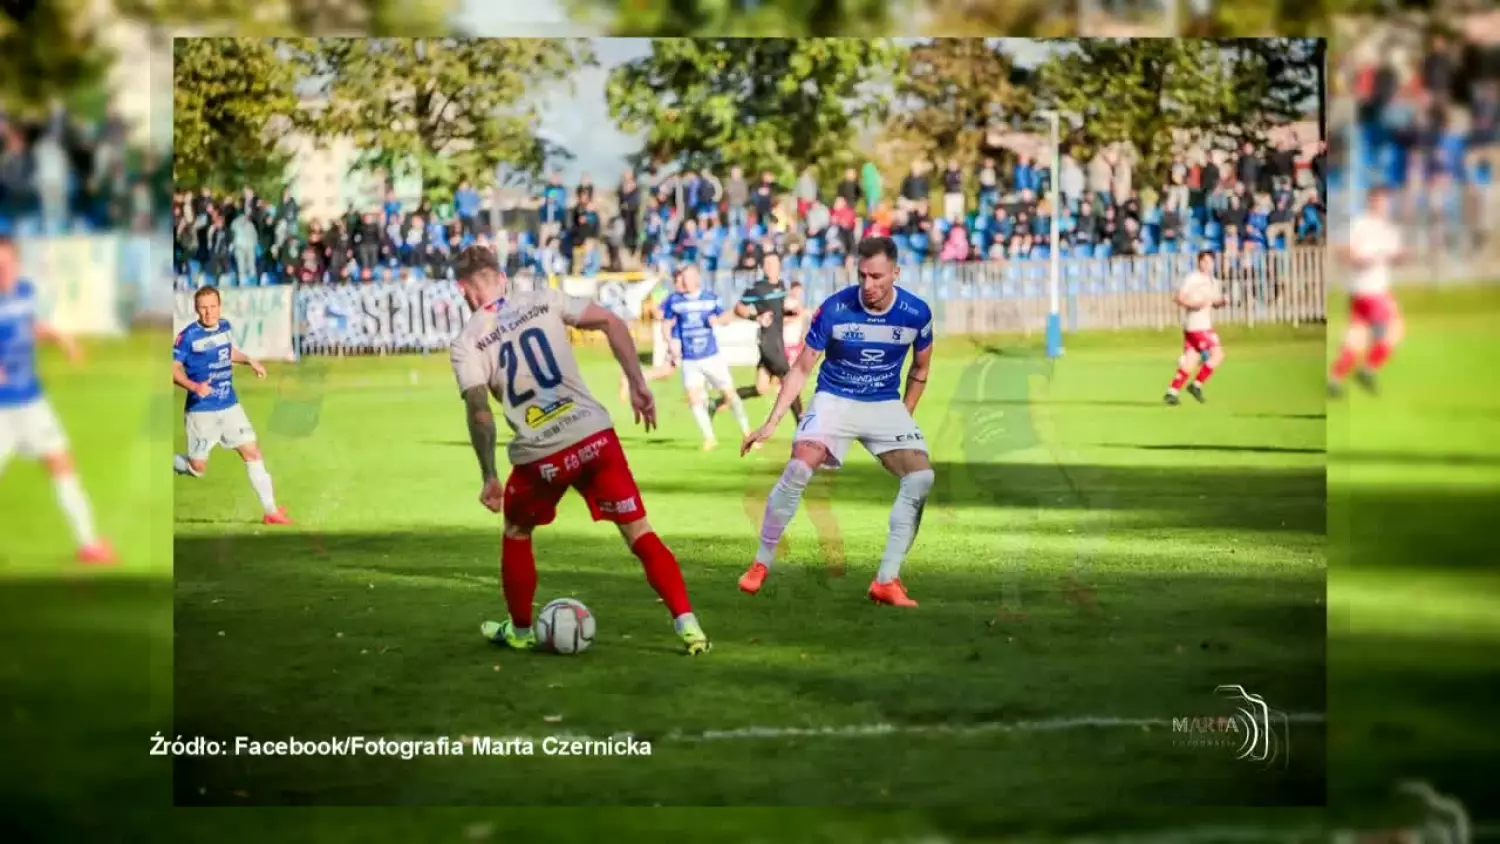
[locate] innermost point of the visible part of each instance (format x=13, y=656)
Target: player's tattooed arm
x=481, y=429
x=916, y=379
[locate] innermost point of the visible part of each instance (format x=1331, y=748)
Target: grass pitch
x=1093, y=564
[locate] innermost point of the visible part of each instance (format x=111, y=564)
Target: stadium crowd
x=1236, y=200
x=1426, y=121
x=65, y=174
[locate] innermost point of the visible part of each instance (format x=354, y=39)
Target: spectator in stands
x=953, y=192
x=914, y=186
x=848, y=190
x=245, y=240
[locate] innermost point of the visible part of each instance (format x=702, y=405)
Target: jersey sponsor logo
x=872, y=355
x=618, y=507
x=17, y=309
x=894, y=335
x=542, y=414
x=212, y=341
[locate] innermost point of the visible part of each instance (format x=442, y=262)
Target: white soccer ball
x=565, y=626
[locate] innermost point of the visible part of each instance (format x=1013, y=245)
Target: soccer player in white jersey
x=1375, y=323
x=694, y=313
x=866, y=331
x=28, y=425
x=203, y=359
x=515, y=347
x=1198, y=295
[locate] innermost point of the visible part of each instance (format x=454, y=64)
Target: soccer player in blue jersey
x=27, y=424
x=865, y=332
x=203, y=359
x=693, y=313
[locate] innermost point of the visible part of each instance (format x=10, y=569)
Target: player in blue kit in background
x=694, y=312
x=203, y=359
x=28, y=425
x=865, y=331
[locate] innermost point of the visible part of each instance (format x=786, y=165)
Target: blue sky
x=578, y=118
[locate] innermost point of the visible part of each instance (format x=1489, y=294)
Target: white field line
x=757, y=733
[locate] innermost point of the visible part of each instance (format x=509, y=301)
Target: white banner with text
x=260, y=318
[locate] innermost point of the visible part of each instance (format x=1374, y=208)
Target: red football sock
x=1204, y=372
x=1344, y=364
x=518, y=579
x=663, y=573
x=1379, y=354
x=1182, y=377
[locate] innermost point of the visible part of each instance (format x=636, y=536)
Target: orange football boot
x=277, y=518
x=754, y=578
x=892, y=593
x=98, y=553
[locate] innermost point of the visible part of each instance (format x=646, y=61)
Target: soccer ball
x=565, y=626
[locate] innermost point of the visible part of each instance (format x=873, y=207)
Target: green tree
x=231, y=99
x=1141, y=90
x=46, y=55
x=414, y=18
x=744, y=18
x=452, y=108
x=776, y=104
x=950, y=90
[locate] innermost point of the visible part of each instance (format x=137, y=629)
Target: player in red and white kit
x=1198, y=295
x=1375, y=323
x=515, y=347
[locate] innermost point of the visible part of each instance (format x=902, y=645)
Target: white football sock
x=75, y=506
x=906, y=518
x=781, y=506
x=700, y=415
x=260, y=479
x=683, y=621
x=740, y=415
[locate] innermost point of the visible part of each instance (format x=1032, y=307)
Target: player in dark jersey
x=765, y=302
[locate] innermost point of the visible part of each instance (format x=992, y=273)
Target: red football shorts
x=1372, y=308
x=596, y=467
x=1200, y=341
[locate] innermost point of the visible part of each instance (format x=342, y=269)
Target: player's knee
x=918, y=484
x=515, y=531
x=633, y=531
x=796, y=474
x=59, y=464
x=696, y=398
x=1216, y=357
x=250, y=453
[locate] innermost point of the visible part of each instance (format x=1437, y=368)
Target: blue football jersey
x=205, y=353
x=693, y=312
x=19, y=384
x=864, y=351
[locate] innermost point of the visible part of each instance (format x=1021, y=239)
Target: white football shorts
x=31, y=430
x=714, y=371
x=879, y=426
x=208, y=429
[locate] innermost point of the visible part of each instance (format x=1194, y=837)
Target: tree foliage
x=776, y=104
x=412, y=18
x=1141, y=90
x=226, y=98
x=46, y=54
x=453, y=108
x=950, y=90
x=744, y=18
